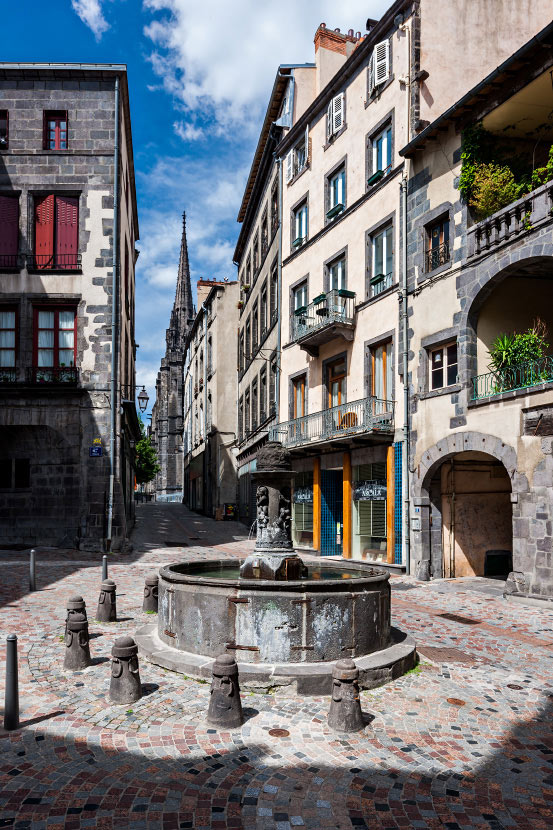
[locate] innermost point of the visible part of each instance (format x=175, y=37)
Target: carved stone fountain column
x=274, y=556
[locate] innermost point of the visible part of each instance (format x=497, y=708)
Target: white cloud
x=220, y=58
x=188, y=132
x=90, y=12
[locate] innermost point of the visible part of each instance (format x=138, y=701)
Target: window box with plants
x=319, y=299
x=375, y=178
x=297, y=243
x=335, y=211
x=343, y=292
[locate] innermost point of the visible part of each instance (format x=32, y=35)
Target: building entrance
x=332, y=516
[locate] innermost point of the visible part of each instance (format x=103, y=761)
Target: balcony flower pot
x=299, y=312
x=334, y=211
x=377, y=279
x=322, y=312
x=246, y=286
x=319, y=299
x=343, y=292
x=376, y=176
x=297, y=243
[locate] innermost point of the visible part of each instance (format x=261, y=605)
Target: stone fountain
x=284, y=621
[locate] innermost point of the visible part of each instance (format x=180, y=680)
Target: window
x=299, y=297
x=299, y=225
x=298, y=157
x=370, y=515
x=437, y=252
x=54, y=345
x=302, y=510
x=443, y=366
x=56, y=232
x=9, y=231
x=209, y=355
x=336, y=382
x=15, y=474
x=248, y=339
x=8, y=329
x=264, y=235
x=255, y=327
x=382, y=371
x=335, y=116
x=336, y=193
x=241, y=352
x=254, y=405
x=381, y=153
x=274, y=208
x=255, y=253
x=298, y=397
x=382, y=261
x=247, y=413
x=379, y=65
x=248, y=280
x=55, y=130
x=263, y=311
x=337, y=274
x=272, y=385
x=4, y=134
x=263, y=394
x=240, y=418
x=274, y=292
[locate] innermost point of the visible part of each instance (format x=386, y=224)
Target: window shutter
x=329, y=120
x=338, y=113
x=381, y=62
x=371, y=75
x=289, y=165
x=9, y=229
x=44, y=231
x=307, y=148
x=67, y=231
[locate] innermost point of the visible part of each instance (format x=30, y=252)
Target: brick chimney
x=332, y=49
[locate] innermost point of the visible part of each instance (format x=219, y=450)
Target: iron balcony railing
x=8, y=376
x=381, y=283
x=522, y=376
x=437, y=256
x=336, y=306
x=351, y=418
x=58, y=376
x=11, y=262
x=54, y=262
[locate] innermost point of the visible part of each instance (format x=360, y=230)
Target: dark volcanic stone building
x=68, y=226
x=167, y=412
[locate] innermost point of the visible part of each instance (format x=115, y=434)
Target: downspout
x=114, y=320
x=279, y=293
x=207, y=447
x=405, y=540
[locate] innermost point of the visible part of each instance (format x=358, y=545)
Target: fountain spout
x=274, y=556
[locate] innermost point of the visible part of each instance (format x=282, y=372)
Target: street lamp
x=143, y=400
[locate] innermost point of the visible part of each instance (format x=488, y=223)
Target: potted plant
x=319, y=298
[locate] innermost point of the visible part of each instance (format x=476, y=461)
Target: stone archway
x=424, y=499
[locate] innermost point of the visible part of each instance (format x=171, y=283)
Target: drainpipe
x=405, y=540
x=206, y=450
x=114, y=319
x=279, y=292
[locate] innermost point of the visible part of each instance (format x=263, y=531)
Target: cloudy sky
x=199, y=77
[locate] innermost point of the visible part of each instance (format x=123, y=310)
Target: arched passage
x=462, y=496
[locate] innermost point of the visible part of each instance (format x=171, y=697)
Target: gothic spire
x=183, y=307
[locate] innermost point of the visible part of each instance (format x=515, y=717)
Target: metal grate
x=398, y=503
x=458, y=618
x=441, y=654
x=331, y=513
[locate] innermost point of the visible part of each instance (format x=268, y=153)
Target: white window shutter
x=306, y=151
x=329, y=120
x=338, y=112
x=381, y=62
x=371, y=74
x=289, y=162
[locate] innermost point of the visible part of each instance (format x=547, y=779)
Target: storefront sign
x=95, y=452
x=303, y=495
x=369, y=490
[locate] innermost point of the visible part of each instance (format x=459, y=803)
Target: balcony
x=10, y=262
x=380, y=283
x=328, y=316
x=511, y=223
x=524, y=376
x=339, y=423
x=436, y=257
x=40, y=376
x=54, y=262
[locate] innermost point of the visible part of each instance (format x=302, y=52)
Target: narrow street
x=463, y=741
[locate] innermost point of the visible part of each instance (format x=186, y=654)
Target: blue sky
x=199, y=77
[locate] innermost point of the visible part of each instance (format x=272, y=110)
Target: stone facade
x=167, y=413
x=55, y=422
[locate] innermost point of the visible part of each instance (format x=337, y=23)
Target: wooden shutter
x=67, y=231
x=44, y=231
x=9, y=230
x=289, y=161
x=338, y=113
x=371, y=75
x=381, y=62
x=329, y=120
x=307, y=147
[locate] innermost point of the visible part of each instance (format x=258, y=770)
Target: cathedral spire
x=183, y=307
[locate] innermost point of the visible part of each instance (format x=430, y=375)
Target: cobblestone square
x=462, y=741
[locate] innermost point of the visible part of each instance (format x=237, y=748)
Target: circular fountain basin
x=278, y=631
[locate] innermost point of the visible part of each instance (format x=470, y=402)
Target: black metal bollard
x=107, y=611
x=125, y=684
x=32, y=570
x=104, y=567
x=77, y=648
x=11, y=695
x=345, y=707
x=150, y=593
x=225, y=707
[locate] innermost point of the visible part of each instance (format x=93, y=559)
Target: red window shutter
x=67, y=231
x=9, y=230
x=44, y=231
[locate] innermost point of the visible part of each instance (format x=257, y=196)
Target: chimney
x=332, y=49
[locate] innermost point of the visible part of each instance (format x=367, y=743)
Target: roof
x=503, y=77
x=104, y=70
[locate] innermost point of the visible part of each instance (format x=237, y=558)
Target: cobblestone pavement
x=463, y=741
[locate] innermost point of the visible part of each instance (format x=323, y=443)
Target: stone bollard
x=77, y=649
x=75, y=604
x=150, y=593
x=125, y=678
x=345, y=708
x=225, y=708
x=107, y=611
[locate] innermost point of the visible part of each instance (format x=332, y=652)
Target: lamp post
x=143, y=400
